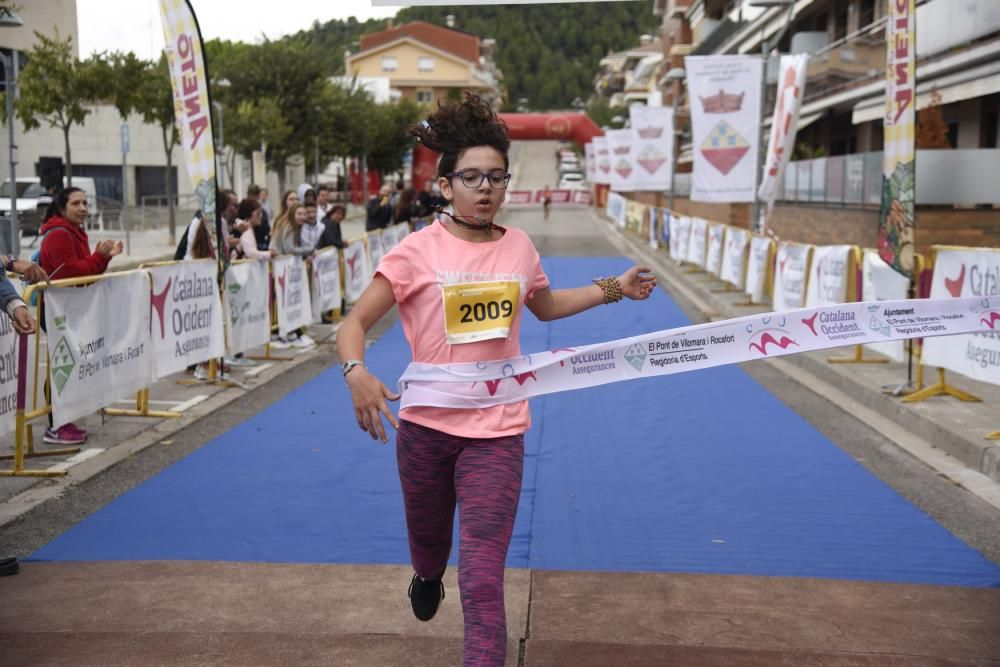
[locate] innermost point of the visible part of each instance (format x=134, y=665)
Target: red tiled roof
x=458, y=43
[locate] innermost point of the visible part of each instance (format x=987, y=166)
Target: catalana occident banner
x=245, y=300
x=326, y=292
x=725, y=114
x=95, y=360
x=484, y=384
x=291, y=293
x=968, y=272
x=192, y=109
x=187, y=315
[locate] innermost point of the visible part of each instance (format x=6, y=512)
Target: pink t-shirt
x=419, y=268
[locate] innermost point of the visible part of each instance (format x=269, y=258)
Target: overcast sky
x=134, y=25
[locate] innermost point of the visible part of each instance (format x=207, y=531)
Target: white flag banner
x=695, y=347
x=969, y=272
x=784, y=124
x=791, y=271
x=758, y=266
x=326, y=293
x=653, y=144
x=830, y=278
x=655, y=221
x=621, y=145
x=591, y=161
x=11, y=366
x=634, y=213
x=725, y=109
x=602, y=165
x=881, y=282
x=616, y=206
x=680, y=238
x=698, y=244
x=99, y=344
x=186, y=315
x=734, y=254
x=246, y=298
x=291, y=293
x=716, y=237
x=357, y=271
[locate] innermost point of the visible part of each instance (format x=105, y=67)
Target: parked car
x=572, y=181
x=29, y=189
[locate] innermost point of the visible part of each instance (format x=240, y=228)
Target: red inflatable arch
x=576, y=127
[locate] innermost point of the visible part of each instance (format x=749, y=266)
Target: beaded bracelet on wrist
x=611, y=287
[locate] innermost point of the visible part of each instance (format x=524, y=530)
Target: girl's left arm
x=637, y=283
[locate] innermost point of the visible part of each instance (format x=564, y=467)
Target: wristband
x=8, y=263
x=349, y=365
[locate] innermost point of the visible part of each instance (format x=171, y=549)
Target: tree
x=256, y=125
x=390, y=138
x=56, y=88
x=932, y=131
x=155, y=103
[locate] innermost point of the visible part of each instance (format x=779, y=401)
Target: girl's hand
x=638, y=283
x=369, y=396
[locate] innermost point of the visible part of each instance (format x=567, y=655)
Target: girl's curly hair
x=457, y=126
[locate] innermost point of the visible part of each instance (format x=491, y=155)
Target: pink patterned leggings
x=484, y=477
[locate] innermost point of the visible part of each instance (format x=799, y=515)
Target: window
x=840, y=26
x=425, y=96
x=389, y=63
x=867, y=13
x=425, y=64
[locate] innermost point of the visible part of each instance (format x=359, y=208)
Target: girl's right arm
x=368, y=393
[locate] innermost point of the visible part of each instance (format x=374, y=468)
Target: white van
x=29, y=189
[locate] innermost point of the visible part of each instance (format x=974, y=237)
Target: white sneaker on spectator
x=240, y=362
x=280, y=343
x=300, y=342
x=307, y=339
x=201, y=372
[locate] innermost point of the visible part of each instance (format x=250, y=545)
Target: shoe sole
x=60, y=441
x=9, y=566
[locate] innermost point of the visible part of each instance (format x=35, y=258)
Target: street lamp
x=766, y=46
x=9, y=19
x=676, y=75
x=221, y=83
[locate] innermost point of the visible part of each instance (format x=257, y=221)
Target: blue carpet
x=699, y=472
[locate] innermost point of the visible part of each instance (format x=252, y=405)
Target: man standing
x=312, y=230
x=379, y=210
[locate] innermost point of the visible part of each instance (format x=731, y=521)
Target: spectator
x=311, y=230
x=65, y=253
x=233, y=227
x=261, y=232
x=332, y=234
x=394, y=199
x=406, y=207
x=306, y=193
x=379, y=211
x=264, y=203
x=287, y=236
x=322, y=202
x=248, y=216
x=223, y=199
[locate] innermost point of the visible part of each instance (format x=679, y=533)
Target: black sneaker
x=9, y=566
x=425, y=596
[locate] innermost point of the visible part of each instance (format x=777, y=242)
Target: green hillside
x=548, y=53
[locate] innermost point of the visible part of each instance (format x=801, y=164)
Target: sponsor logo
x=60, y=321
x=766, y=338
x=351, y=261
x=992, y=321
x=63, y=363
x=636, y=356
x=593, y=362
x=282, y=279
x=954, y=285
x=157, y=304
x=811, y=323
x=493, y=385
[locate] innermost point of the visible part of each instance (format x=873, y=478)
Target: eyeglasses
x=473, y=178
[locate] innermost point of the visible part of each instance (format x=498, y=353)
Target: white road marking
x=76, y=458
x=257, y=369
x=190, y=403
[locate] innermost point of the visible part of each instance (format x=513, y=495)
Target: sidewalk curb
x=970, y=463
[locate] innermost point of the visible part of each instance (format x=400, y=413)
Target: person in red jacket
x=65, y=253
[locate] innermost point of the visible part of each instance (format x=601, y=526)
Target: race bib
x=479, y=311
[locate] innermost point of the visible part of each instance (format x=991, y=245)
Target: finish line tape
x=484, y=384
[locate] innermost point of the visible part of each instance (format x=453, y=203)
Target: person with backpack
x=65, y=253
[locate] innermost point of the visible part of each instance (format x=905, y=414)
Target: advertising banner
x=725, y=114
x=634, y=212
x=664, y=228
x=291, y=293
x=895, y=224
x=655, y=220
x=698, y=244
x=690, y=348
x=96, y=360
x=602, y=167
x=326, y=292
x=653, y=145
x=518, y=197
x=830, y=278
x=713, y=260
x=10, y=369
x=373, y=246
x=791, y=272
x=968, y=273
x=616, y=208
x=758, y=267
x=620, y=143
x=591, y=161
x=680, y=238
x=186, y=315
x=880, y=282
x=357, y=271
x=734, y=254
x=784, y=125
x=192, y=107
x=245, y=299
